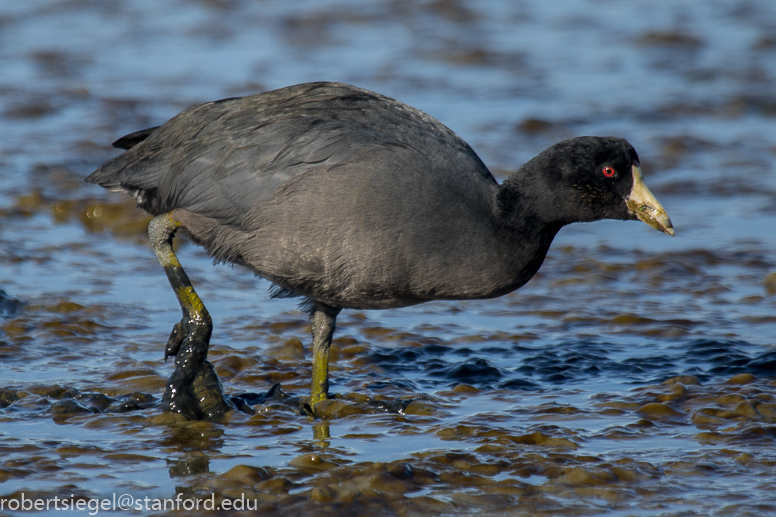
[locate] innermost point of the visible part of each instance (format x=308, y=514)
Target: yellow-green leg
x=193, y=390
x=323, y=326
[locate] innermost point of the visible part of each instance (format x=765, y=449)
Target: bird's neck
x=527, y=225
x=525, y=206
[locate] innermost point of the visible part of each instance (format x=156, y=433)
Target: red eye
x=609, y=172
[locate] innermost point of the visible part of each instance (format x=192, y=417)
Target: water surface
x=634, y=375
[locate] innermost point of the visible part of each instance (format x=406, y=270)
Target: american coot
x=351, y=199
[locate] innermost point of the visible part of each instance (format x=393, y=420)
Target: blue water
x=689, y=84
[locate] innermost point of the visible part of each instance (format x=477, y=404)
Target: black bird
x=352, y=200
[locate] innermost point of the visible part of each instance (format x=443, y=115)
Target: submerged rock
x=7, y=397
x=68, y=407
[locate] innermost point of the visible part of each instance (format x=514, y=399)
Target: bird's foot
x=274, y=396
x=201, y=398
x=332, y=407
x=193, y=390
x=196, y=329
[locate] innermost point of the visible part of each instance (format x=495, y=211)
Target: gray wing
x=220, y=158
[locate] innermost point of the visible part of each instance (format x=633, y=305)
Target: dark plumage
x=355, y=200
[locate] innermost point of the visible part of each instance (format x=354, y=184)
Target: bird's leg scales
x=323, y=326
x=193, y=389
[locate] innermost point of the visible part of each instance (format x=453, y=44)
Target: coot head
x=585, y=179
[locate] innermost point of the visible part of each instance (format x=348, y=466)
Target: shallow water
x=634, y=375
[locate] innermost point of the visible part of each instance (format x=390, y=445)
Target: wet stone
x=730, y=399
x=358, y=398
x=456, y=432
x=276, y=485
x=69, y=451
x=337, y=408
x=7, y=397
x=245, y=475
x=401, y=470
x=377, y=332
x=153, y=383
x=166, y=418
x=744, y=458
x=659, y=411
x=465, y=388
x=603, y=493
x=745, y=409
x=766, y=410
x=687, y=380
x=127, y=374
x=431, y=505
x=312, y=463
x=55, y=392
x=11, y=473
x=507, y=489
x=388, y=406
x=742, y=378
x=488, y=469
x=381, y=482
x=352, y=351
x=707, y=416
x=189, y=466
x=689, y=468
x=15, y=329
x=143, y=400
x=125, y=406
x=558, y=410
x=678, y=391
x=484, y=501
x=418, y=407
x=578, y=476
x=292, y=349
x=324, y=494
x=463, y=479
x=627, y=475
x=539, y=438
x=96, y=401
x=68, y=407
x=621, y=405
x=230, y=365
